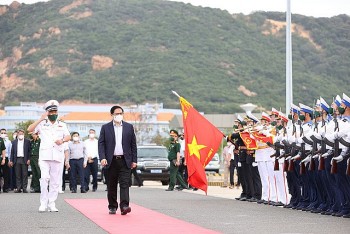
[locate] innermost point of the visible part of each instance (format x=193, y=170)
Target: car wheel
x=165, y=182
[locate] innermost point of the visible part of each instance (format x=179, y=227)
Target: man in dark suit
x=20, y=159
x=118, y=153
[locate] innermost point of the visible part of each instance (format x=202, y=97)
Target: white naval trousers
x=267, y=175
x=281, y=184
x=49, y=181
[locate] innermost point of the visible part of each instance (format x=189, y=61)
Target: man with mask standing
x=91, y=145
x=118, y=153
x=53, y=133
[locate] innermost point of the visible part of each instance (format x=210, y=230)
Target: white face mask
x=3, y=136
x=21, y=137
x=75, y=138
x=118, y=118
x=92, y=135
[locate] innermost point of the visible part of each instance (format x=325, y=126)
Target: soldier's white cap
x=51, y=105
x=324, y=104
x=274, y=111
x=265, y=116
x=306, y=108
x=252, y=117
x=283, y=117
x=346, y=100
x=239, y=118
x=337, y=100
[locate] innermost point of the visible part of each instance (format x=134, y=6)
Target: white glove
x=339, y=158
x=323, y=134
x=306, y=160
x=338, y=135
x=288, y=157
x=316, y=156
x=239, y=164
x=296, y=157
x=325, y=155
x=281, y=151
x=254, y=164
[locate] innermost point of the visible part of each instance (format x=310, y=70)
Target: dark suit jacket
x=26, y=150
x=106, y=143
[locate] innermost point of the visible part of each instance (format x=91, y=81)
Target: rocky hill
x=136, y=51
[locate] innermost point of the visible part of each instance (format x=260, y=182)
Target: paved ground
x=217, y=211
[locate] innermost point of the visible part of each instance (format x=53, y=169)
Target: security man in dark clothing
x=34, y=163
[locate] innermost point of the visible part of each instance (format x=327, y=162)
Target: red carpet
x=140, y=220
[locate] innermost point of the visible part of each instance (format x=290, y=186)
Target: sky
x=316, y=8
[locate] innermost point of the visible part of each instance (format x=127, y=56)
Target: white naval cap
x=306, y=108
x=51, y=105
x=294, y=108
x=346, y=100
x=324, y=105
x=337, y=100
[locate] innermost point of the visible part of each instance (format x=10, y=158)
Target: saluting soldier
x=34, y=163
x=53, y=134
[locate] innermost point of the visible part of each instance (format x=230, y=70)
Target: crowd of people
x=299, y=162
x=20, y=153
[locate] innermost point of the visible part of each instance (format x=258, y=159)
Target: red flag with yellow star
x=202, y=142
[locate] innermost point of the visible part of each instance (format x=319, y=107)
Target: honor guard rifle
x=334, y=168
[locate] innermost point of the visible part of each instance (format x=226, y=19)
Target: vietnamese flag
x=202, y=142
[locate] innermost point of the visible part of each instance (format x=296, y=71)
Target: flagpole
x=175, y=93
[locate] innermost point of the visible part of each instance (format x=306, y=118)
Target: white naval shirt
x=49, y=133
x=91, y=147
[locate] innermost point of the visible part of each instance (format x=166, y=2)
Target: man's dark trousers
x=118, y=172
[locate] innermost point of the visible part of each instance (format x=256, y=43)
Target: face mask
x=290, y=117
x=171, y=139
x=52, y=117
x=317, y=114
x=92, y=135
x=118, y=118
x=3, y=136
x=75, y=138
x=330, y=110
x=302, y=117
x=279, y=127
x=341, y=110
x=21, y=137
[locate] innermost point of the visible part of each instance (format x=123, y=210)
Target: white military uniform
x=265, y=167
x=51, y=157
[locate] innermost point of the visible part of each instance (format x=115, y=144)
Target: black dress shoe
x=169, y=189
x=74, y=191
x=278, y=204
x=25, y=191
x=83, y=191
x=18, y=191
x=125, y=210
x=6, y=191
x=112, y=210
x=94, y=190
x=346, y=216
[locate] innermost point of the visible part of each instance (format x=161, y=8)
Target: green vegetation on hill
x=158, y=46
